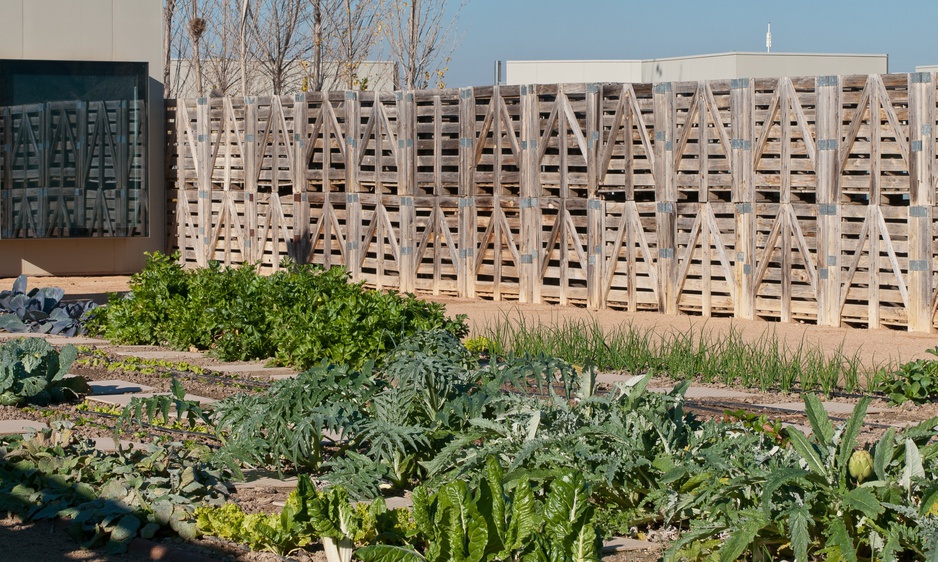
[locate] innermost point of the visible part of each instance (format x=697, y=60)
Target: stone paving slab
x=612, y=378
x=696, y=392
x=167, y=355
x=77, y=340
x=266, y=482
x=705, y=392
x=116, y=386
x=55, y=340
x=15, y=427
x=108, y=445
x=621, y=544
x=803, y=428
x=398, y=502
x=838, y=408
x=124, y=399
x=281, y=377
x=251, y=368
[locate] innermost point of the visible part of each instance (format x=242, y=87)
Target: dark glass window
x=74, y=151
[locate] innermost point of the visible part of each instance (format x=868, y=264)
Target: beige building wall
x=568, y=71
x=694, y=68
x=770, y=65
x=92, y=30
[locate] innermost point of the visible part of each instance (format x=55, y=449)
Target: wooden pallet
x=808, y=199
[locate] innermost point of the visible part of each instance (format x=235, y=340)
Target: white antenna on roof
x=768, y=39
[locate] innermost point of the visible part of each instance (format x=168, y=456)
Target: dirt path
x=873, y=347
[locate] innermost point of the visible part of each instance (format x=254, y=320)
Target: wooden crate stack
x=792, y=199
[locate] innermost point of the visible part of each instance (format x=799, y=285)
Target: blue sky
x=607, y=29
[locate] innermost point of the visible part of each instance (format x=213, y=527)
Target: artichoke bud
x=860, y=465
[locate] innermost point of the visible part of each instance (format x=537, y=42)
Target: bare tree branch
x=277, y=37
x=422, y=39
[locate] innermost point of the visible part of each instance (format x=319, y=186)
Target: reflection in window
x=74, y=151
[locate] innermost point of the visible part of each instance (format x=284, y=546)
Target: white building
x=720, y=66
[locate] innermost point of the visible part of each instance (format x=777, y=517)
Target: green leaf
x=848, y=439
x=929, y=497
x=864, y=501
x=492, y=503
x=67, y=356
x=162, y=511
x=913, y=464
x=149, y=530
x=586, y=544
x=807, y=451
x=818, y=418
x=798, y=522
x=524, y=520
x=421, y=511
x=838, y=537
x=387, y=553
x=776, y=480
x=883, y=453
x=185, y=528
x=122, y=533
x=742, y=538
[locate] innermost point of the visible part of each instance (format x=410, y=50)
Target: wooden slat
x=790, y=199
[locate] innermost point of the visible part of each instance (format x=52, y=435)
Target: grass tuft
x=766, y=362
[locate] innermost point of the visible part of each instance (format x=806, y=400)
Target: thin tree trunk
x=318, y=79
x=412, y=47
x=244, y=48
x=168, y=12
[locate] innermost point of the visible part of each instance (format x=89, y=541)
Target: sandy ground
x=872, y=347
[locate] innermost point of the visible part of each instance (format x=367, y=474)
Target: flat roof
x=709, y=55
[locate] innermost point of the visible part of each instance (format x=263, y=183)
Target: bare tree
x=357, y=33
x=315, y=78
x=177, y=45
x=421, y=37
x=169, y=10
x=223, y=47
x=196, y=27
x=277, y=38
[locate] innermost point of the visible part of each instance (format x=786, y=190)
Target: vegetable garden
x=506, y=444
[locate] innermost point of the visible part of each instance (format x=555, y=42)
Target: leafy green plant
x=308, y=514
x=482, y=345
x=42, y=310
x=288, y=424
x=812, y=500
x=916, y=381
x=32, y=371
x=280, y=533
x=759, y=423
x=98, y=358
x=495, y=523
x=158, y=409
x=300, y=316
x=110, y=498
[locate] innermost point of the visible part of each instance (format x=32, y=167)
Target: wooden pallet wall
x=791, y=199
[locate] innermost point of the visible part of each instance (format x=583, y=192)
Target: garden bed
x=501, y=414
